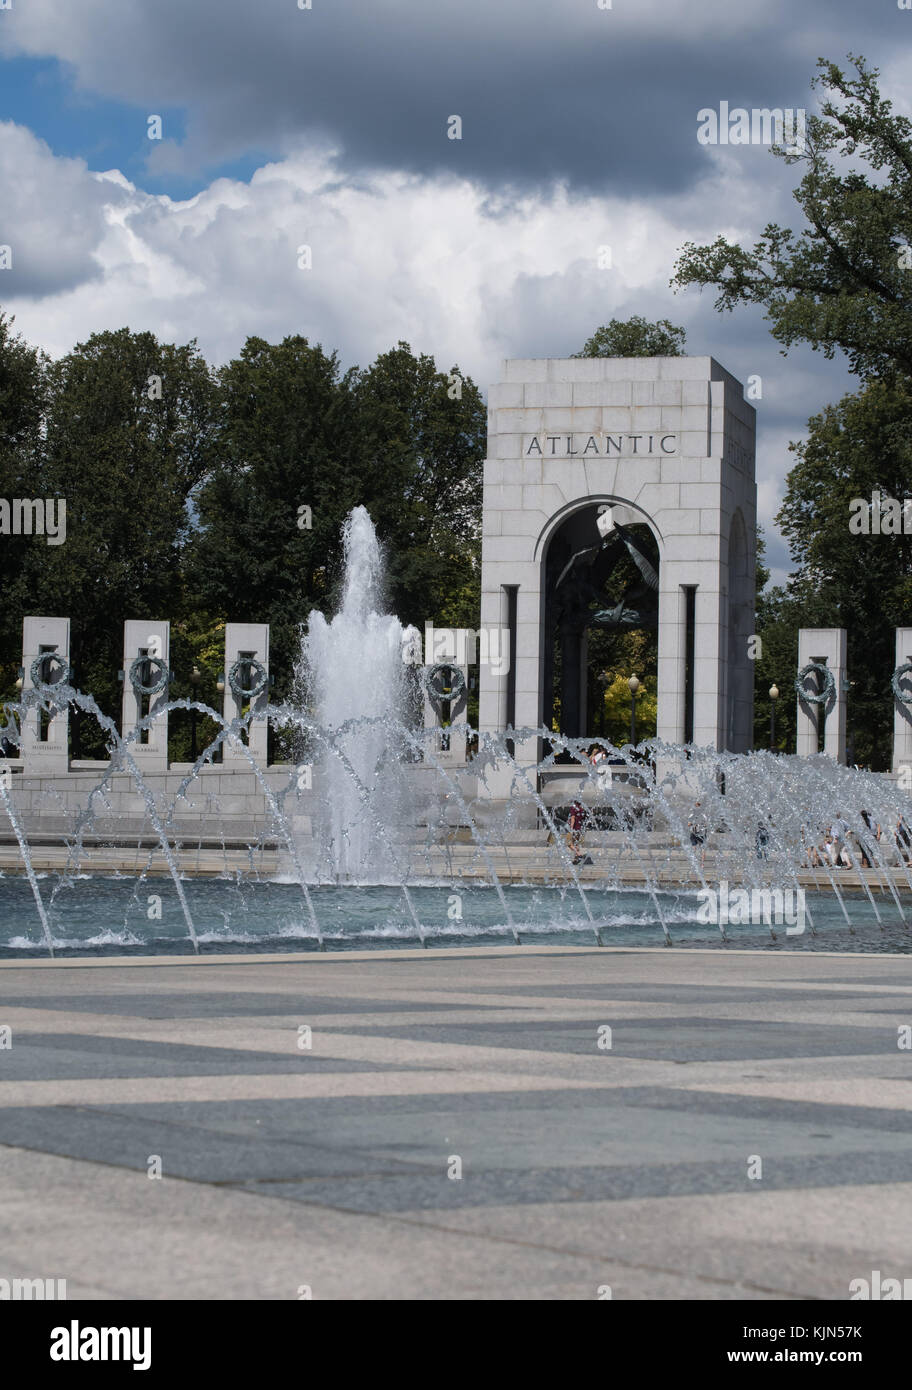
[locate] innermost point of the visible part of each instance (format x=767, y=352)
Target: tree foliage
x=203, y=496
x=862, y=582
x=287, y=439
x=22, y=407
x=298, y=433
x=635, y=337
x=425, y=434
x=126, y=460
x=843, y=281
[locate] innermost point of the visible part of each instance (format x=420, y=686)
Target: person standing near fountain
x=867, y=840
x=840, y=836
x=811, y=851
x=699, y=829
x=575, y=821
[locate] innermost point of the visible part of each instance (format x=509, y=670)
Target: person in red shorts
x=575, y=821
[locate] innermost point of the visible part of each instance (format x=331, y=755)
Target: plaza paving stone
x=581, y=1166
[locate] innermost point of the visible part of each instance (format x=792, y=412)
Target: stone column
x=44, y=746
x=827, y=646
x=246, y=641
x=494, y=680
x=902, y=714
x=671, y=662
x=146, y=638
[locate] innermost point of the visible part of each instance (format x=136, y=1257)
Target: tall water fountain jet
x=353, y=673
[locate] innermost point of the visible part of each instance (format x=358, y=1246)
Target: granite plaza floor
x=287, y=1168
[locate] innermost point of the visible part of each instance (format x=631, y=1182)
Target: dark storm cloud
x=619, y=120
x=606, y=100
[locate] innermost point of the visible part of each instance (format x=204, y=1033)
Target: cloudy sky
x=328, y=127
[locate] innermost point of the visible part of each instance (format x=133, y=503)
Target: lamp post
x=633, y=685
x=774, y=696
x=195, y=676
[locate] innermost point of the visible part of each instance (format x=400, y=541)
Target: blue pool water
x=123, y=916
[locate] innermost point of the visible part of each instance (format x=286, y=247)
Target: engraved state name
x=598, y=445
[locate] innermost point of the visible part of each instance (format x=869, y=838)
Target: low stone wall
x=219, y=804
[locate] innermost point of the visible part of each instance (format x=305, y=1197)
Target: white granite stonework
x=669, y=441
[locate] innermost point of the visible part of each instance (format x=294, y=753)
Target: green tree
x=779, y=616
x=288, y=441
x=197, y=641
x=843, y=578
x=761, y=571
x=862, y=582
x=400, y=438
x=425, y=435
x=129, y=428
x=617, y=701
x=22, y=406
x=635, y=337
x=776, y=622
x=843, y=281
